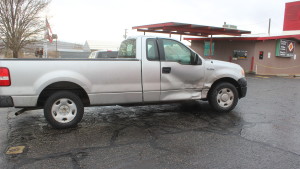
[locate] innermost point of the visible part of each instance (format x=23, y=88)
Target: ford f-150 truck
x=148, y=70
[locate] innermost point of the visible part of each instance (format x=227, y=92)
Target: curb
x=278, y=75
x=282, y=75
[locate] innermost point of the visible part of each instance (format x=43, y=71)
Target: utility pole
x=269, y=30
x=54, y=36
x=125, y=36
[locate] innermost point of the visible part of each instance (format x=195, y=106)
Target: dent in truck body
x=218, y=71
x=176, y=95
x=118, y=81
x=184, y=80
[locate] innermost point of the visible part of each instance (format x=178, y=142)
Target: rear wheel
x=223, y=97
x=63, y=109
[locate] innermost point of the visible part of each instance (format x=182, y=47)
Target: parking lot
x=263, y=131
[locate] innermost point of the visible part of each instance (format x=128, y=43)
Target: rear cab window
x=127, y=49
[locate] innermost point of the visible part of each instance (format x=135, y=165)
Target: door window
x=152, y=53
x=175, y=51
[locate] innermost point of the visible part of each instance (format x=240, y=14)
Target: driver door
x=182, y=72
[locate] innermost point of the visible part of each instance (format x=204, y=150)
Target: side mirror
x=196, y=59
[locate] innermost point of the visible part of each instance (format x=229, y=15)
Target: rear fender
x=62, y=76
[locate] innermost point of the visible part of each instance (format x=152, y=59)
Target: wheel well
x=229, y=80
x=69, y=86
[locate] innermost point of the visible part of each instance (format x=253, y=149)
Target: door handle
x=166, y=70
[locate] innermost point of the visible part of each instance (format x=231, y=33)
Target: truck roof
x=148, y=36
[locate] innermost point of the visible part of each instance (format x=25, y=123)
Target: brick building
x=270, y=55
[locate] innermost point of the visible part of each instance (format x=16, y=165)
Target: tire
x=63, y=109
x=223, y=97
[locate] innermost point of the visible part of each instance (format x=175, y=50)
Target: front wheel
x=223, y=97
x=63, y=109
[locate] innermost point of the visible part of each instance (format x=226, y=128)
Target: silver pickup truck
x=147, y=70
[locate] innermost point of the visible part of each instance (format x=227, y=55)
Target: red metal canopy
x=189, y=29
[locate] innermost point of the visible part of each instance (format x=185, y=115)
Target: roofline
x=297, y=37
x=189, y=29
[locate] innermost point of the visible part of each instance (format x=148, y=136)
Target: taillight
x=4, y=77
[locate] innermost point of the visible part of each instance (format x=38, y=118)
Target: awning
x=188, y=29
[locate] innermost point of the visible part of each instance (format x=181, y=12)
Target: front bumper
x=243, y=87
x=6, y=101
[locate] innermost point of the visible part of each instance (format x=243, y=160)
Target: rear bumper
x=243, y=87
x=6, y=101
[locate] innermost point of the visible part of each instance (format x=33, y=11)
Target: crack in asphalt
x=115, y=135
x=151, y=123
x=79, y=154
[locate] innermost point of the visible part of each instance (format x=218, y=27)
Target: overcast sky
x=81, y=20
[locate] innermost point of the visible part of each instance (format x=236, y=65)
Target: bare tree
x=20, y=23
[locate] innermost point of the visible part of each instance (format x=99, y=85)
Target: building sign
x=207, y=49
x=285, y=48
x=239, y=54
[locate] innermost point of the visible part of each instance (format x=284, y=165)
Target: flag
x=48, y=32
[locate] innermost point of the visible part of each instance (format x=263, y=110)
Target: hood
x=220, y=64
x=224, y=68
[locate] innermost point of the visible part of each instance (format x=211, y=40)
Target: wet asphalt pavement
x=263, y=131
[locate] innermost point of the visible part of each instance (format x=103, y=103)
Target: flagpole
x=45, y=41
x=45, y=49
x=48, y=36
